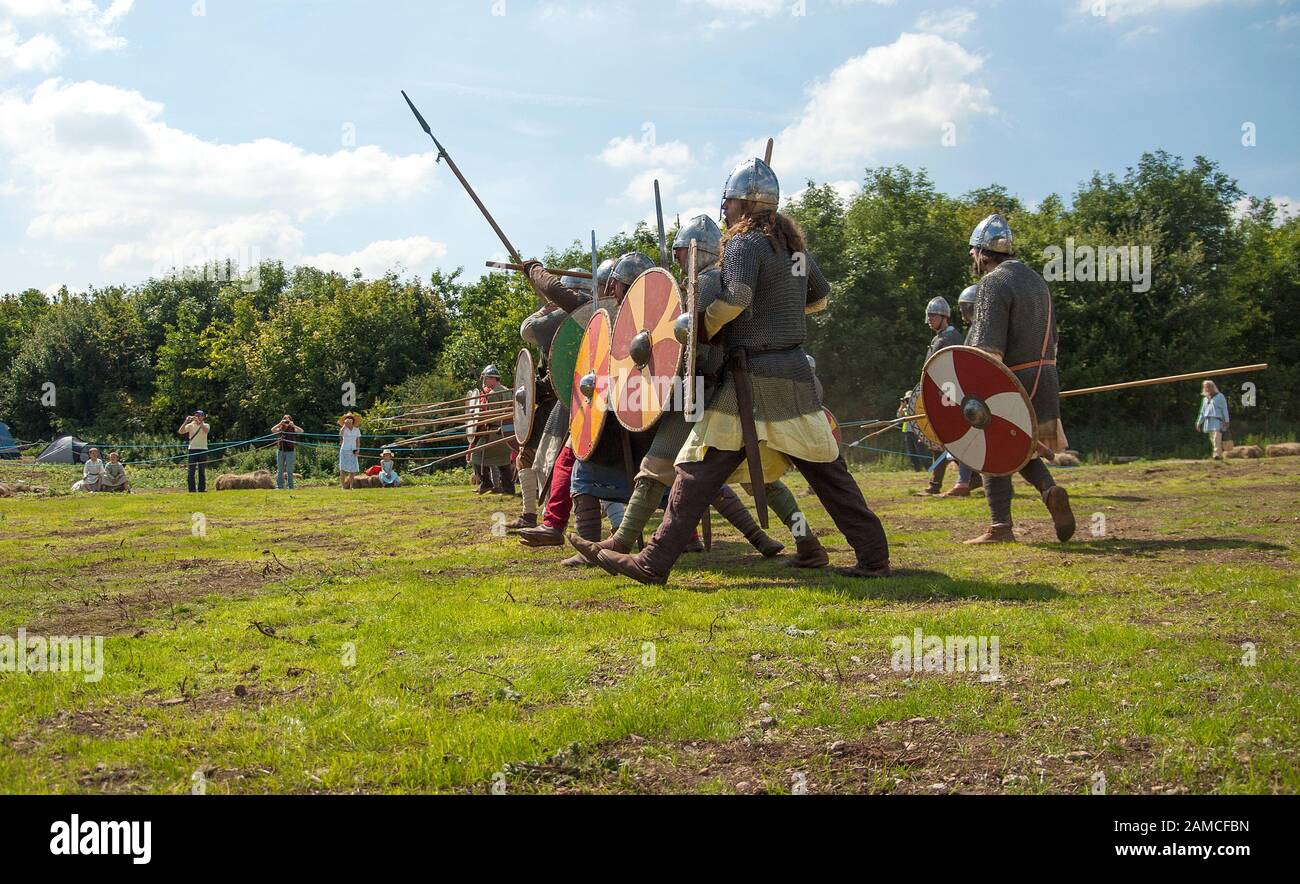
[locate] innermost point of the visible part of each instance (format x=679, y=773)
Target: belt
x=1037, y=362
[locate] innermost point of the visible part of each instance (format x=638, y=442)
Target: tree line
x=1207, y=278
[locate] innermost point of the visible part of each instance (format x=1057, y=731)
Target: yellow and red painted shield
x=644, y=352
x=589, y=397
x=979, y=410
x=835, y=426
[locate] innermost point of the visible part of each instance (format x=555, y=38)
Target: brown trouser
x=698, y=484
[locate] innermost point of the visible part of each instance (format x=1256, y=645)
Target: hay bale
x=247, y=482
x=1284, y=449
x=13, y=489
x=364, y=481
x=1244, y=452
x=1067, y=459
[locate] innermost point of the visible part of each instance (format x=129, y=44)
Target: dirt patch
x=918, y=756
x=121, y=612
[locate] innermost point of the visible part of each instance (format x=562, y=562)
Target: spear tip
x=423, y=125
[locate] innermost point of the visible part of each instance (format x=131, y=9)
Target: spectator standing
x=196, y=429
x=349, y=450
x=1213, y=418
x=286, y=432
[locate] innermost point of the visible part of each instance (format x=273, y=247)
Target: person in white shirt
x=349, y=450
x=196, y=429
x=92, y=474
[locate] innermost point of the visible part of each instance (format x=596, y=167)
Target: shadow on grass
x=1151, y=547
x=1118, y=498
x=906, y=584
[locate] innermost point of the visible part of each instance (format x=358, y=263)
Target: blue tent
x=7, y=446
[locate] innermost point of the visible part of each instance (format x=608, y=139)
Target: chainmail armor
x=1011, y=312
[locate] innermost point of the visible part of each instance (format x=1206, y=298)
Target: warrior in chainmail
x=769, y=282
x=657, y=472
x=938, y=315
x=551, y=420
x=580, y=486
x=1014, y=321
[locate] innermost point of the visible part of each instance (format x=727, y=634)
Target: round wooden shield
x=979, y=411
x=644, y=352
x=589, y=390
x=563, y=356
x=525, y=395
x=835, y=426
x=472, y=411
x=920, y=421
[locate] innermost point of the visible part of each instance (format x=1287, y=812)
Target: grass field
x=386, y=641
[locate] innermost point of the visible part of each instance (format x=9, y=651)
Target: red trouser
x=560, y=504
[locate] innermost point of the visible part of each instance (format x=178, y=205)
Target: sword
x=749, y=432
x=663, y=239
x=443, y=155
x=595, y=295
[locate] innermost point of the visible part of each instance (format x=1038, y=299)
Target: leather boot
x=542, y=535
x=590, y=551
x=961, y=489
x=622, y=565
x=527, y=520
x=809, y=553
x=995, y=534
x=1058, y=504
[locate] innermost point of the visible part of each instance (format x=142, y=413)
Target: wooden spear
x=519, y=268
x=443, y=155
x=1170, y=379
x=502, y=441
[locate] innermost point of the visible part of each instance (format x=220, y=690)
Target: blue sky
x=139, y=135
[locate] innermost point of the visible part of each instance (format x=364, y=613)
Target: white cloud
x=949, y=23
x=891, y=97
x=1117, y=10
x=1139, y=32
x=39, y=53
x=415, y=254
x=92, y=24
x=642, y=186
x=768, y=8
x=102, y=170
x=626, y=152
x=1287, y=207
x=846, y=190
x=749, y=7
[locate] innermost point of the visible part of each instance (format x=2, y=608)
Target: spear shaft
x=443, y=155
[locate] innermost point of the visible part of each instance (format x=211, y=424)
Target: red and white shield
x=978, y=410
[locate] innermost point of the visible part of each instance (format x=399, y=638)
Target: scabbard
x=749, y=432
x=706, y=528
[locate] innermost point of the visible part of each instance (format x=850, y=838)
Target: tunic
x=490, y=431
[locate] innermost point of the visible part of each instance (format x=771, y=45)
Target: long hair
x=1214, y=388
x=782, y=232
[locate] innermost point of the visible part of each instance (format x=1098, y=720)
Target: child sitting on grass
x=115, y=475
x=388, y=477
x=92, y=474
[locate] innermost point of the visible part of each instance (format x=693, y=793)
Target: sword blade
x=663, y=238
